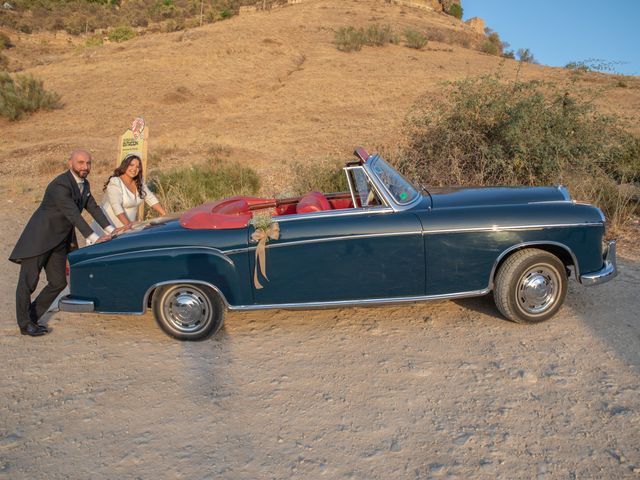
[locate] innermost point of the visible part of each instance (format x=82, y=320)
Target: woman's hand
x=119, y=230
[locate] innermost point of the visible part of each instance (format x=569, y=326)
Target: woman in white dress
x=125, y=191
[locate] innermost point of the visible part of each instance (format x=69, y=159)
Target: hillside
x=269, y=86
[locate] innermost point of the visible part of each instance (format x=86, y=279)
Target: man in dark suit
x=50, y=236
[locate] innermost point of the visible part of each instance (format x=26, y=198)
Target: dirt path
x=434, y=390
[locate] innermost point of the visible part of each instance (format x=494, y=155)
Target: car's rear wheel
x=188, y=311
x=530, y=286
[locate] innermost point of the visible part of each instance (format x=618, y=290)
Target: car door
x=330, y=256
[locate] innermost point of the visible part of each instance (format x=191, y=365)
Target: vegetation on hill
x=85, y=16
x=485, y=131
x=24, y=94
x=184, y=188
x=455, y=10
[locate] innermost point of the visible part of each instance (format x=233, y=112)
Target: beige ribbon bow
x=262, y=236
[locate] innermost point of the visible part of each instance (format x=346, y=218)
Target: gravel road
x=436, y=390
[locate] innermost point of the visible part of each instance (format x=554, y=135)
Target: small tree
x=493, y=45
x=455, y=10
x=525, y=55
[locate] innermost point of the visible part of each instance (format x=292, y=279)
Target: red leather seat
x=313, y=202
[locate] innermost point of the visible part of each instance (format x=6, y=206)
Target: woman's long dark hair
x=123, y=168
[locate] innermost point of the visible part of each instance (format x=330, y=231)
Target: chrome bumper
x=67, y=304
x=607, y=272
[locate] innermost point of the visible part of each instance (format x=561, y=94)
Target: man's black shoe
x=43, y=327
x=33, y=330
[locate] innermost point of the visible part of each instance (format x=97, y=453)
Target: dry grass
x=242, y=95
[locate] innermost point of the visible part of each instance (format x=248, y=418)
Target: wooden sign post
x=135, y=141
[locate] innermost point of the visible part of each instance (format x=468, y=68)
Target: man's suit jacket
x=54, y=220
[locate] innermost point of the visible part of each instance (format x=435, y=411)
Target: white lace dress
x=119, y=199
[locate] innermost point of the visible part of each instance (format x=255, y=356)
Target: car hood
x=452, y=197
x=163, y=233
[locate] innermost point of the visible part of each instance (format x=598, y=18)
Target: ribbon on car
x=262, y=236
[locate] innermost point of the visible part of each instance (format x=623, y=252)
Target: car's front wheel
x=530, y=286
x=188, y=311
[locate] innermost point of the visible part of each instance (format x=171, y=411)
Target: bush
x=379, y=35
x=4, y=62
x=121, y=34
x=325, y=176
x=23, y=95
x=492, y=45
x=525, y=55
x=93, y=41
x=490, y=132
x=348, y=39
x=414, y=39
x=184, y=188
x=455, y=10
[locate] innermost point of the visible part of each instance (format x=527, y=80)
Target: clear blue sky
x=561, y=31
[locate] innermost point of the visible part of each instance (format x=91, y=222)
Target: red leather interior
x=233, y=212
x=340, y=203
x=288, y=209
x=236, y=212
x=313, y=202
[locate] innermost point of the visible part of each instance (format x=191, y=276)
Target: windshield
x=400, y=189
x=364, y=193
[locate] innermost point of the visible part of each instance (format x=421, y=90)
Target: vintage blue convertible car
x=384, y=241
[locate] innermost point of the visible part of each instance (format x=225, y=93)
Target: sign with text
x=135, y=141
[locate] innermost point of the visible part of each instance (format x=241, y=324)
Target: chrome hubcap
x=188, y=309
x=538, y=290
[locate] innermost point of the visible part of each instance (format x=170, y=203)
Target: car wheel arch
x=563, y=252
x=148, y=297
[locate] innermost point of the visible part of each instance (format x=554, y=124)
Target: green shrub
x=487, y=131
x=348, y=39
x=414, y=39
x=379, y=35
x=226, y=14
x=24, y=94
x=324, y=176
x=455, y=10
x=184, y=188
x=93, y=41
x=121, y=34
x=25, y=28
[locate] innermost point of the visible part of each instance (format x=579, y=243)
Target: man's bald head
x=80, y=162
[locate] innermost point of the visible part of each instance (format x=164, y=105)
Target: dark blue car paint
x=447, y=243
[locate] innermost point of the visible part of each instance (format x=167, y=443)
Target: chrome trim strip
x=352, y=188
x=532, y=244
x=327, y=239
x=565, y=192
x=332, y=213
x=67, y=304
x=307, y=305
x=355, y=303
x=497, y=228
x=216, y=250
x=607, y=272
